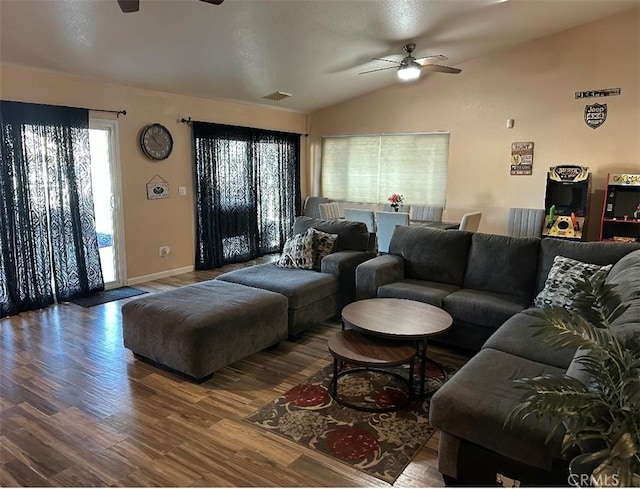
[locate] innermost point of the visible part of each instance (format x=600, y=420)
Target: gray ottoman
x=198, y=329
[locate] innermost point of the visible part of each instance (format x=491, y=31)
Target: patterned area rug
x=380, y=444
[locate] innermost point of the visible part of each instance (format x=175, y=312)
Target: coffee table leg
x=334, y=386
x=411, y=364
x=423, y=366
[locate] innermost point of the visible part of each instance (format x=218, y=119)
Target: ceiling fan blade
x=129, y=5
x=442, y=69
x=431, y=59
x=387, y=60
x=214, y=2
x=379, y=69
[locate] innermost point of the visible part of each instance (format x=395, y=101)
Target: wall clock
x=156, y=142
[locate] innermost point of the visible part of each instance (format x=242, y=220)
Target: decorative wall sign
x=521, y=158
x=595, y=115
x=603, y=92
x=157, y=188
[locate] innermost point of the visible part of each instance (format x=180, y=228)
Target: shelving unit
x=621, y=210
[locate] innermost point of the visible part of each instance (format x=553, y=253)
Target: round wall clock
x=156, y=142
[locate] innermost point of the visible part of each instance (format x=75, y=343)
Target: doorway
x=105, y=176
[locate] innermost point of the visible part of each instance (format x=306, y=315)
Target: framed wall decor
x=157, y=188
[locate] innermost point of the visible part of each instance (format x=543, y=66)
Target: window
x=247, y=192
x=370, y=168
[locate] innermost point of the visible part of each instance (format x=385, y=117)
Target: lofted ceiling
x=245, y=49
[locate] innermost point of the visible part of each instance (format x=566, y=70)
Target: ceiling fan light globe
x=409, y=72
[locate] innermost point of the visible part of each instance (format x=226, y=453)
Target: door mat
x=107, y=296
x=379, y=444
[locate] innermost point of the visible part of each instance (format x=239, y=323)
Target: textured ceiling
x=245, y=49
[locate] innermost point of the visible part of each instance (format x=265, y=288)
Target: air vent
x=277, y=96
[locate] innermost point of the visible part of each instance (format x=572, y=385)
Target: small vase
x=395, y=207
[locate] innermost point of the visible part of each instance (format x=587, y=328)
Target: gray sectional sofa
x=488, y=284
x=314, y=296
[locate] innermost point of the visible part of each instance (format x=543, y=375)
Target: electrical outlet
x=182, y=190
x=164, y=251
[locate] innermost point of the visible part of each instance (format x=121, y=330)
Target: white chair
x=426, y=213
x=471, y=221
x=525, y=223
x=329, y=210
x=361, y=215
x=386, y=223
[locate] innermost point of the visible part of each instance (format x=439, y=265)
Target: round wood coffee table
x=398, y=319
x=361, y=352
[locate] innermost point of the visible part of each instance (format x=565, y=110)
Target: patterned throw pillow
x=324, y=244
x=298, y=251
x=564, y=274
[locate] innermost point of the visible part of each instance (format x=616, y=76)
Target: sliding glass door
x=105, y=176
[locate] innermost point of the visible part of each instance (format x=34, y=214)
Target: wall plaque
x=522, y=158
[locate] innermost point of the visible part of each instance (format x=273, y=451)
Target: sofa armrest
x=344, y=264
x=372, y=274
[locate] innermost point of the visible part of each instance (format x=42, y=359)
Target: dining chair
x=470, y=221
x=361, y=215
x=311, y=206
x=525, y=223
x=426, y=213
x=329, y=210
x=386, y=223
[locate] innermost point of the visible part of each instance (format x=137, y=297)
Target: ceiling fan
x=409, y=68
x=134, y=5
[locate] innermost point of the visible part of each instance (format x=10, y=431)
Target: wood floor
x=76, y=409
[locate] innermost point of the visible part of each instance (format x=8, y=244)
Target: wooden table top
x=352, y=346
x=396, y=318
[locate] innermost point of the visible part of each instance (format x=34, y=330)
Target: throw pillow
x=564, y=274
x=323, y=245
x=298, y=251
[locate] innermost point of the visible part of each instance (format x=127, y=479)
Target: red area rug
x=380, y=444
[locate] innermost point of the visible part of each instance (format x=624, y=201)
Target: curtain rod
x=116, y=112
x=188, y=121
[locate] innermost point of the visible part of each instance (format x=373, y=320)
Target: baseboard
x=159, y=275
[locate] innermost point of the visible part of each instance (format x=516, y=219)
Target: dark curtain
x=48, y=244
x=247, y=191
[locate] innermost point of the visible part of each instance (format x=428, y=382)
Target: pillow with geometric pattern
x=565, y=273
x=298, y=251
x=323, y=245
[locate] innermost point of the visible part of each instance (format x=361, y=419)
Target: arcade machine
x=621, y=210
x=566, y=201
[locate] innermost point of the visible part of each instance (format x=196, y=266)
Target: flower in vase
x=396, y=200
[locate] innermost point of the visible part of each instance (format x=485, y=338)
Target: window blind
x=370, y=168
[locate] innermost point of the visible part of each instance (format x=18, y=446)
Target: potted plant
x=601, y=414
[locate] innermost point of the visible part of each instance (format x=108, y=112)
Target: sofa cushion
x=323, y=245
x=502, y=263
x=490, y=309
x=300, y=287
x=563, y=276
x=418, y=290
x=431, y=254
x=517, y=336
x=475, y=402
x=626, y=273
x=298, y=251
x=598, y=253
x=351, y=235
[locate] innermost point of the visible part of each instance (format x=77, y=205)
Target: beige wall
x=148, y=223
x=534, y=84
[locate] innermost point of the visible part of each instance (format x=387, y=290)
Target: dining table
x=435, y=224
